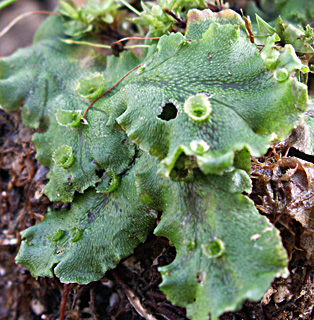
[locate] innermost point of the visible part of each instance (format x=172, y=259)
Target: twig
x=248, y=26
x=216, y=8
x=133, y=299
x=65, y=294
x=136, y=303
x=92, y=303
x=174, y=16
x=22, y=16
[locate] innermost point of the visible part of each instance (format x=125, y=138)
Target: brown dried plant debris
x=283, y=190
x=21, y=205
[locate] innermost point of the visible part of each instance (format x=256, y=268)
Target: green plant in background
x=175, y=136
x=158, y=21
x=89, y=18
x=302, y=39
x=298, y=13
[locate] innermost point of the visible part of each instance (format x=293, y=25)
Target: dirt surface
x=283, y=191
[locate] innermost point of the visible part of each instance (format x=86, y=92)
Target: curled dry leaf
x=287, y=186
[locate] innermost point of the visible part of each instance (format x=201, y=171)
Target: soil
x=282, y=191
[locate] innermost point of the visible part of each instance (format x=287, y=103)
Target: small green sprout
x=88, y=18
x=156, y=15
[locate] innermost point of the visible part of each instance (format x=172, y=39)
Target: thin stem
x=98, y=45
x=6, y=3
x=220, y=3
x=92, y=302
x=135, y=38
x=174, y=16
x=218, y=7
x=65, y=294
x=124, y=39
x=84, y=115
x=85, y=43
x=22, y=16
x=248, y=26
x=137, y=46
x=130, y=7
